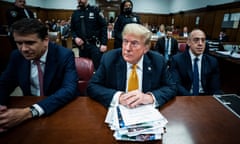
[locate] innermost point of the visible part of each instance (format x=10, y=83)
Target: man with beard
x=89, y=31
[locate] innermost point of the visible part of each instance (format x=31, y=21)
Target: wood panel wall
x=210, y=18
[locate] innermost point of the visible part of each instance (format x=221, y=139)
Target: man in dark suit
x=184, y=33
x=110, y=85
x=110, y=31
x=38, y=67
x=223, y=36
x=64, y=30
x=207, y=75
x=168, y=45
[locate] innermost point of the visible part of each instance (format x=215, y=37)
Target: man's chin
x=28, y=57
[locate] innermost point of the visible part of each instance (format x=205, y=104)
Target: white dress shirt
x=34, y=82
x=115, y=100
x=199, y=69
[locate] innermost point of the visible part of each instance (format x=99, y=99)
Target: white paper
x=141, y=114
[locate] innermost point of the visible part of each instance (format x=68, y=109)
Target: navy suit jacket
x=111, y=77
x=160, y=46
x=60, y=78
x=181, y=69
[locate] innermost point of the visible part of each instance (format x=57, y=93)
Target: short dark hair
x=169, y=28
x=30, y=26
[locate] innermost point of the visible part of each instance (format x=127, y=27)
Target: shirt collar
x=43, y=58
x=193, y=56
x=139, y=64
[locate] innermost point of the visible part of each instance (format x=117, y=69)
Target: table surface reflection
x=191, y=120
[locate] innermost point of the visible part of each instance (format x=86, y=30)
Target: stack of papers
x=144, y=123
x=235, y=55
x=229, y=53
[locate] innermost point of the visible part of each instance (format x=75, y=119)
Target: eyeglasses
x=196, y=40
x=133, y=44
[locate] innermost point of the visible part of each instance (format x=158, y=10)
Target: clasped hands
x=12, y=117
x=135, y=98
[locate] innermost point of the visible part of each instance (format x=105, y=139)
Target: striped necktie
x=40, y=77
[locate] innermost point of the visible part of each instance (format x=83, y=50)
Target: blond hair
x=138, y=30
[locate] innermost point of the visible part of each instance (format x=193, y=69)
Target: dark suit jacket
x=15, y=13
x=182, y=34
x=65, y=31
x=111, y=77
x=121, y=21
x=160, y=46
x=60, y=78
x=181, y=69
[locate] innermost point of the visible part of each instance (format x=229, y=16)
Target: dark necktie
x=166, y=50
x=195, y=77
x=40, y=77
x=82, y=25
x=26, y=13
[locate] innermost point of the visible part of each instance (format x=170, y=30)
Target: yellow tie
x=133, y=79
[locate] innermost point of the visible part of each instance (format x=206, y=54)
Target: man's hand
x=12, y=117
x=135, y=98
x=103, y=48
x=79, y=41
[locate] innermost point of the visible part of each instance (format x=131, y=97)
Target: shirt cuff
x=155, y=103
x=39, y=109
x=115, y=99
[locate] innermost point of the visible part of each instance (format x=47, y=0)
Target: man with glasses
x=132, y=75
x=195, y=72
x=167, y=45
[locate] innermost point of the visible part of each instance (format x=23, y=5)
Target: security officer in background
x=17, y=12
x=89, y=31
x=126, y=16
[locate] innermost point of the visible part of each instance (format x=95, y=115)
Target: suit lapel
x=121, y=68
x=188, y=62
x=25, y=77
x=147, y=74
x=203, y=70
x=50, y=67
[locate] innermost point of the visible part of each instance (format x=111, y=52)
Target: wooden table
x=192, y=120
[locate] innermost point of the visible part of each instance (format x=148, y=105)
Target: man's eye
x=19, y=43
x=29, y=42
x=134, y=43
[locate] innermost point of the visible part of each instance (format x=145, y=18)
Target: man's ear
x=146, y=49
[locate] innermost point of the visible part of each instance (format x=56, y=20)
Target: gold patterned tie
x=133, y=79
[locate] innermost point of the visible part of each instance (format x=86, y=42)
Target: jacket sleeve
x=103, y=26
x=63, y=91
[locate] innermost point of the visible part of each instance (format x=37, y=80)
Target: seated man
x=184, y=33
x=132, y=75
x=167, y=45
x=196, y=73
x=39, y=68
